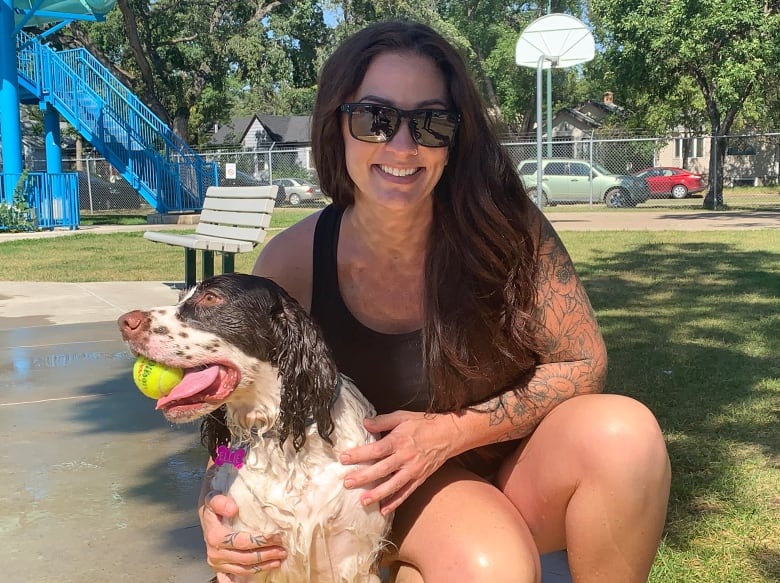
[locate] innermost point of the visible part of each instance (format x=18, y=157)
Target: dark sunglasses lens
x=373, y=123
x=433, y=128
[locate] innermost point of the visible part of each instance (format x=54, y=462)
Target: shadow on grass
x=692, y=331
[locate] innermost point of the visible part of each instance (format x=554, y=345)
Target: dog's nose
x=130, y=324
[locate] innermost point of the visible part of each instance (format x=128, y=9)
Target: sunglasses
x=434, y=128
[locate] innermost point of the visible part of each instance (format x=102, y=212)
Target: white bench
x=234, y=220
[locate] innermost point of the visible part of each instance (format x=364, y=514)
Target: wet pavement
x=97, y=486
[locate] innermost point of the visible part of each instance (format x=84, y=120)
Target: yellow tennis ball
x=153, y=379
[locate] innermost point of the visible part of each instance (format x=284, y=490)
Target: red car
x=674, y=182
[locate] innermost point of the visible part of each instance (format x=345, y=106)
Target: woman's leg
x=458, y=527
x=594, y=478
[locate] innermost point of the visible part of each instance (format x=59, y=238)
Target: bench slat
x=258, y=220
x=242, y=191
x=249, y=205
x=200, y=243
x=248, y=234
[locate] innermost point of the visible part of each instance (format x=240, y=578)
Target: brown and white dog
x=246, y=344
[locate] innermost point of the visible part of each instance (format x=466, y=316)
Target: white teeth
x=398, y=171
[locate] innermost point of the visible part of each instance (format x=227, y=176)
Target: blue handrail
x=158, y=163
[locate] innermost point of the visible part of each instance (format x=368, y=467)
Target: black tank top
x=387, y=368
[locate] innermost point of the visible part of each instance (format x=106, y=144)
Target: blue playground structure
x=75, y=86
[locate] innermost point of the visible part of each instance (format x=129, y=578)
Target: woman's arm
x=575, y=363
x=576, y=359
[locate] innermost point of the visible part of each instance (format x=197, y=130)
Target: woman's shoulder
x=287, y=258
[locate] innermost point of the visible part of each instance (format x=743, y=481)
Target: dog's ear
x=308, y=374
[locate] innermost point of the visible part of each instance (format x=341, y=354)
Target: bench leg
x=189, y=268
x=228, y=262
x=208, y=264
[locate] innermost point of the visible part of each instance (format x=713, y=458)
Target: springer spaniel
x=245, y=344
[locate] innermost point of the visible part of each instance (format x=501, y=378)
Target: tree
x=492, y=28
x=192, y=63
x=485, y=32
x=728, y=49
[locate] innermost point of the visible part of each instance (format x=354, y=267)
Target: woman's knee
x=622, y=435
x=460, y=528
x=488, y=560
x=593, y=443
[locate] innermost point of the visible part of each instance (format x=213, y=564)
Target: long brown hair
x=480, y=268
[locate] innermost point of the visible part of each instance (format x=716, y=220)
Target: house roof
x=590, y=114
x=288, y=128
x=234, y=131
x=607, y=108
x=280, y=128
x=578, y=116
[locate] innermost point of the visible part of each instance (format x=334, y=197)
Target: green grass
x=692, y=323
x=112, y=257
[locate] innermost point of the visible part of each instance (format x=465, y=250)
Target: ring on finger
x=257, y=568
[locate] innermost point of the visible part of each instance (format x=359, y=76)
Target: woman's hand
x=231, y=552
x=414, y=447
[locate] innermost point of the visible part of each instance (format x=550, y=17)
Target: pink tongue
x=194, y=382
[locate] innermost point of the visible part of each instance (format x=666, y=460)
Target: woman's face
x=399, y=173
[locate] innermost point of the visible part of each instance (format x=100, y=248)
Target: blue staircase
x=169, y=174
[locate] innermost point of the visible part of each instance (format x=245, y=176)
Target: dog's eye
x=210, y=299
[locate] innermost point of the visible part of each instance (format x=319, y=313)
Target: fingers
x=235, y=552
x=221, y=505
x=246, y=563
x=381, y=423
x=393, y=501
x=367, y=453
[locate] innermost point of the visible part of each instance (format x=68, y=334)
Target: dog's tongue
x=194, y=382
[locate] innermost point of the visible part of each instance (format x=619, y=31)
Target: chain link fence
x=676, y=169
x=289, y=168
x=583, y=172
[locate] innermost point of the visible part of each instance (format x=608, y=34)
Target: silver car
x=571, y=180
x=294, y=191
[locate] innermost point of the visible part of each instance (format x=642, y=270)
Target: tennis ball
x=153, y=379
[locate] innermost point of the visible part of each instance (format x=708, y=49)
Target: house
x=751, y=160
x=572, y=126
x=261, y=132
x=266, y=145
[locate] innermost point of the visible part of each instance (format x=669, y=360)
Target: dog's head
x=243, y=342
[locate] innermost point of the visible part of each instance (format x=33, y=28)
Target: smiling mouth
x=399, y=172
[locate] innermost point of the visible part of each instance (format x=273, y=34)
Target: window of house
x=695, y=147
x=740, y=147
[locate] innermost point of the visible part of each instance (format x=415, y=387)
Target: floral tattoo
x=573, y=358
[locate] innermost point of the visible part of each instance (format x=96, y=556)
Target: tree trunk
x=141, y=58
x=181, y=122
x=79, y=153
x=490, y=91
x=714, y=197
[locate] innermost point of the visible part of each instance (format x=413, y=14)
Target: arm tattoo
x=573, y=359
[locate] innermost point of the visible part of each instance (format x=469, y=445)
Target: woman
x=450, y=300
